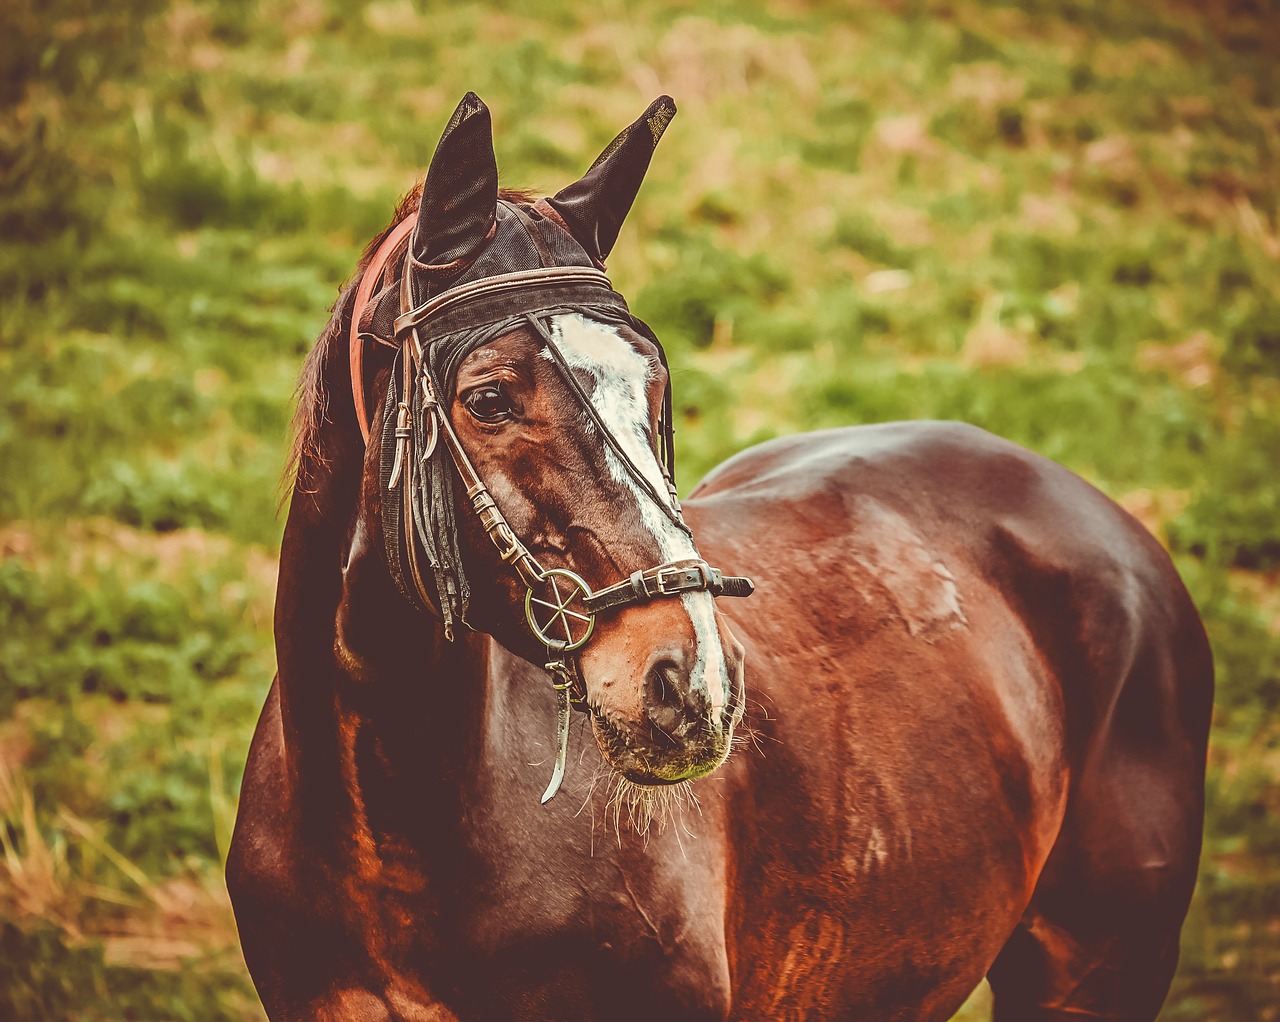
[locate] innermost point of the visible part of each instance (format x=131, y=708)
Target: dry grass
x=66, y=873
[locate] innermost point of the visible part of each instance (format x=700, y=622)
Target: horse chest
x=511, y=903
x=577, y=883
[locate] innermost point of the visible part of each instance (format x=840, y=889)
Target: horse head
x=526, y=435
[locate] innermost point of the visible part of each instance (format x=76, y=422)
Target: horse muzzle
x=666, y=714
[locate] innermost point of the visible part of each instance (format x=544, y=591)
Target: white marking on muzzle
x=621, y=375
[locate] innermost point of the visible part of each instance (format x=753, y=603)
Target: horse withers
x=971, y=694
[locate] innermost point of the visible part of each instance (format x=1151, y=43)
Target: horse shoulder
x=265, y=878
x=256, y=861
x=291, y=927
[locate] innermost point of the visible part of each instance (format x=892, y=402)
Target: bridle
x=560, y=607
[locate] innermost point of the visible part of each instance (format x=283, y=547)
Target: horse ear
x=594, y=207
x=460, y=195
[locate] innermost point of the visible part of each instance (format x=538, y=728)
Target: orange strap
x=372, y=274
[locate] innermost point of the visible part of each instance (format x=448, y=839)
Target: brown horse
x=979, y=694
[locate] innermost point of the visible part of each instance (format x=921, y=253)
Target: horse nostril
x=666, y=697
x=663, y=679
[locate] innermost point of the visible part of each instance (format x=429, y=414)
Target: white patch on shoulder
x=877, y=850
x=878, y=836
x=621, y=376
x=901, y=569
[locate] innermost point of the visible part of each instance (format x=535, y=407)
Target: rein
x=560, y=607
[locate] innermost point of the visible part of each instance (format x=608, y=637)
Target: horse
x=958, y=730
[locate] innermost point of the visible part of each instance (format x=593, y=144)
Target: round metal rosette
x=557, y=613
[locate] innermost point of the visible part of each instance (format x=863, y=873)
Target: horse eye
x=488, y=404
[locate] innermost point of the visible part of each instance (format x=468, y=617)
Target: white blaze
x=621, y=375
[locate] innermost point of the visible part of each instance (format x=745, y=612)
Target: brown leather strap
x=536, y=285
x=670, y=579
x=372, y=274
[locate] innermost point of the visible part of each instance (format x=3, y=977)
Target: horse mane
x=306, y=452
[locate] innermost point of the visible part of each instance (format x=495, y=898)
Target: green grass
x=1056, y=219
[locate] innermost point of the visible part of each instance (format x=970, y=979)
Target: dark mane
x=306, y=453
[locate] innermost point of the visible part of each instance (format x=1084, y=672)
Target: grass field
x=1056, y=219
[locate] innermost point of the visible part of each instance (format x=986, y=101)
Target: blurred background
x=1056, y=219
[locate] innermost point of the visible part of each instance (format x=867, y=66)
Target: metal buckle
x=505, y=540
x=673, y=580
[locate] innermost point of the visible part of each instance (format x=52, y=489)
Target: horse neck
x=369, y=688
